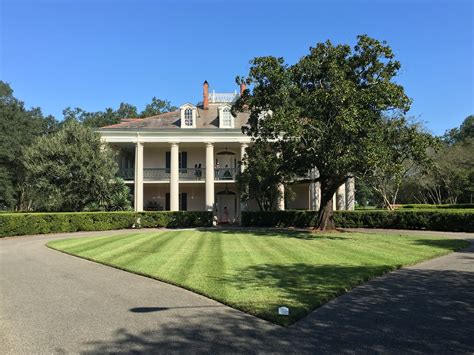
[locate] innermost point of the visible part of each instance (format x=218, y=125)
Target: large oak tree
x=328, y=111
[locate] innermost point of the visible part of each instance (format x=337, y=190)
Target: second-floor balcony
x=185, y=174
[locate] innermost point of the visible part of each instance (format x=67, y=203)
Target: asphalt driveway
x=54, y=303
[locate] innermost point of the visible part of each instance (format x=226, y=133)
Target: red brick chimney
x=205, y=100
x=243, y=87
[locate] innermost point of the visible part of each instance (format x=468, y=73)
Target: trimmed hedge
x=428, y=206
x=438, y=220
x=42, y=223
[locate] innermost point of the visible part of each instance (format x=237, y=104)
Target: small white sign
x=283, y=311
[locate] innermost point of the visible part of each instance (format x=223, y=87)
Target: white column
x=281, y=199
x=174, y=178
x=341, y=197
x=243, y=147
x=281, y=189
x=209, y=177
x=334, y=202
x=138, y=182
x=315, y=196
x=315, y=191
x=350, y=194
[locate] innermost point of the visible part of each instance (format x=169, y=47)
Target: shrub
x=42, y=223
x=440, y=220
x=428, y=206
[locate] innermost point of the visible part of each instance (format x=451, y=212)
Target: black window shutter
x=167, y=202
x=168, y=162
x=184, y=201
x=183, y=161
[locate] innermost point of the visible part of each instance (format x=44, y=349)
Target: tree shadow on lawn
x=447, y=244
x=277, y=232
x=301, y=287
x=410, y=310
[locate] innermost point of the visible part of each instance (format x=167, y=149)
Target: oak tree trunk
x=326, y=214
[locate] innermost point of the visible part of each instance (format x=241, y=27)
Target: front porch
x=175, y=167
x=192, y=197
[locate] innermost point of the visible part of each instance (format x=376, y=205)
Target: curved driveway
x=54, y=303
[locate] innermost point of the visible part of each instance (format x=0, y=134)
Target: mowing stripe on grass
x=147, y=253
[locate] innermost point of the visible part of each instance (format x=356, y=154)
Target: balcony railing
x=223, y=97
x=190, y=174
x=185, y=174
x=156, y=174
x=126, y=174
x=225, y=173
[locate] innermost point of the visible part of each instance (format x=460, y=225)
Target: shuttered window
x=183, y=201
x=183, y=161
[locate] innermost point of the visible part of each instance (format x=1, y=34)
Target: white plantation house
x=188, y=160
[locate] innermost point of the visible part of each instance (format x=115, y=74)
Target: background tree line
x=52, y=165
x=448, y=180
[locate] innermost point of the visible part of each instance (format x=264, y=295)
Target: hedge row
x=439, y=220
x=42, y=223
x=428, y=206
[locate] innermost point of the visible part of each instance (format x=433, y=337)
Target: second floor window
x=226, y=118
x=188, y=117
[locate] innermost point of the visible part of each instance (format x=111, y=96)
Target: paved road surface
x=54, y=303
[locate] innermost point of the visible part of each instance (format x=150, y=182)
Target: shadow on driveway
x=409, y=310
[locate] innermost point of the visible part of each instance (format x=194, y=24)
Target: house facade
x=188, y=159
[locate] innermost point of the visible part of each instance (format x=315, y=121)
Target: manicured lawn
x=258, y=271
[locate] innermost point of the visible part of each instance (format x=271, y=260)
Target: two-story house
x=188, y=160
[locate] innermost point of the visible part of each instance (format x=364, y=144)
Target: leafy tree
x=465, y=131
x=261, y=177
x=157, y=107
x=100, y=119
x=92, y=119
x=404, y=152
x=452, y=179
x=118, y=200
x=110, y=116
x=19, y=127
x=365, y=195
x=327, y=111
x=126, y=111
x=72, y=169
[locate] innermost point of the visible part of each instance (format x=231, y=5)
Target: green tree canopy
x=328, y=111
x=157, y=107
x=19, y=127
x=72, y=169
x=110, y=116
x=262, y=175
x=464, y=132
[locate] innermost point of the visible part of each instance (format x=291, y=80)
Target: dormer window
x=188, y=116
x=226, y=120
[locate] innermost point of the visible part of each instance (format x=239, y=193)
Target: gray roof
x=205, y=119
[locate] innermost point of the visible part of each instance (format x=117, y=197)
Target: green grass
x=258, y=271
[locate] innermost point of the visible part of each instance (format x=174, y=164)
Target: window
x=183, y=161
x=188, y=117
x=226, y=118
x=183, y=201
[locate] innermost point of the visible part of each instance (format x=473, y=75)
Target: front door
x=226, y=208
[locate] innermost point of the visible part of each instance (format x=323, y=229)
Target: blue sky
x=96, y=54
